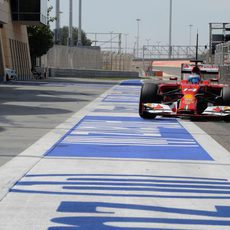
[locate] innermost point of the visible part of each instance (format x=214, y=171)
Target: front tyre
x=226, y=100
x=149, y=94
x=226, y=96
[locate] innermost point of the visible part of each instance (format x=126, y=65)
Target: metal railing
x=176, y=52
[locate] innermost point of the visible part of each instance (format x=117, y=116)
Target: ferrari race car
x=197, y=94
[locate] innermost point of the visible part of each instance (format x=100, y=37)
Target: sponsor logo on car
x=227, y=108
x=217, y=109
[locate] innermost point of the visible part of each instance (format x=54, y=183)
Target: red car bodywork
x=187, y=95
x=183, y=98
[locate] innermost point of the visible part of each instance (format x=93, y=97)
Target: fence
x=175, y=52
x=116, y=61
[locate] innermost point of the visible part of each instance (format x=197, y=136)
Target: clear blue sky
x=120, y=16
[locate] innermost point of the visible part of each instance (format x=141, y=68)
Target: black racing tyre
x=149, y=94
x=227, y=118
x=7, y=77
x=201, y=106
x=226, y=96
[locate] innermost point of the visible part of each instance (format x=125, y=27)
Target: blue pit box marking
x=129, y=137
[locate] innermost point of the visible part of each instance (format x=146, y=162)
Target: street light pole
x=190, y=34
x=57, y=30
x=170, y=29
x=79, y=41
x=111, y=41
x=143, y=58
x=138, y=35
x=126, y=35
x=70, y=23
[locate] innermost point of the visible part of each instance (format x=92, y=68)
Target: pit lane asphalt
x=29, y=110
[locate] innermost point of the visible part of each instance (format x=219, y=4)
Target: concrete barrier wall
x=53, y=72
x=64, y=57
x=72, y=58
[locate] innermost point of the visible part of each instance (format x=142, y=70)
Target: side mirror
x=173, y=78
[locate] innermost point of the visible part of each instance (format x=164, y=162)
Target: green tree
x=40, y=38
x=64, y=34
x=40, y=41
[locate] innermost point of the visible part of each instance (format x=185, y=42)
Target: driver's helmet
x=194, y=78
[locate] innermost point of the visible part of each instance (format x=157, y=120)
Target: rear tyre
x=148, y=95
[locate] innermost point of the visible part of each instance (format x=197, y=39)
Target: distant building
x=15, y=15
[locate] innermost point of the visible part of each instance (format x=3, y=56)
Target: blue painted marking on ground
x=92, y=207
x=87, y=215
x=124, y=94
x=121, y=185
x=129, y=137
x=131, y=82
x=93, y=221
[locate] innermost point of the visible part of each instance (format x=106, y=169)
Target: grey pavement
x=183, y=189
x=106, y=190
x=29, y=110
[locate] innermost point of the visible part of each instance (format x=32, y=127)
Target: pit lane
x=89, y=179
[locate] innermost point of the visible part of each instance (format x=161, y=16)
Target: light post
x=190, y=39
x=111, y=41
x=143, y=57
x=57, y=30
x=111, y=49
x=138, y=36
x=170, y=29
x=190, y=34
x=79, y=42
x=135, y=46
x=70, y=42
x=126, y=38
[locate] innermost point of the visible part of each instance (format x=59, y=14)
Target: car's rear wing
x=204, y=68
x=207, y=72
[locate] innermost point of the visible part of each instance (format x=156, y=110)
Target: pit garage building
x=15, y=16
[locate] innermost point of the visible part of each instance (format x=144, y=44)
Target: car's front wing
x=166, y=110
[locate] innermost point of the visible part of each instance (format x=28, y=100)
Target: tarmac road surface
x=105, y=168
x=29, y=110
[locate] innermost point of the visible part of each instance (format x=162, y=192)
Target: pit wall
x=54, y=72
x=80, y=58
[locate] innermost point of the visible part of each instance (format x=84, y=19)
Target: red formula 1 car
x=197, y=94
